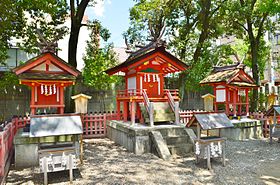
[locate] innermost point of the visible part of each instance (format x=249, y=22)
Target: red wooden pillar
x=234, y=102
x=227, y=100
x=118, y=110
x=61, y=100
x=215, y=98
x=32, y=101
x=125, y=110
x=239, y=105
x=247, y=101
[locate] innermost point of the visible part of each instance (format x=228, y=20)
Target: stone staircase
x=162, y=112
x=177, y=140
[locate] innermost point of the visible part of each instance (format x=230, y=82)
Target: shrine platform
x=138, y=138
x=243, y=129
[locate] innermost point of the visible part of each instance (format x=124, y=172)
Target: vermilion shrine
x=231, y=85
x=144, y=81
x=47, y=75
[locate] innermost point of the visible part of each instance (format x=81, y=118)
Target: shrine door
x=151, y=82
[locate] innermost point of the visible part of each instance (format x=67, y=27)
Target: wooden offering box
x=209, y=146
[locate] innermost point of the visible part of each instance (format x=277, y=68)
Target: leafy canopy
x=97, y=59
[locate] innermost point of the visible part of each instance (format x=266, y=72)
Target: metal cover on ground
x=53, y=125
x=211, y=120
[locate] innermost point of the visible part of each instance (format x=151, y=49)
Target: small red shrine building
x=144, y=80
x=231, y=85
x=47, y=75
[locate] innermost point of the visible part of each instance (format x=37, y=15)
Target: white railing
x=149, y=107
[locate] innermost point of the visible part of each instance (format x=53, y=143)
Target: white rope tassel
x=54, y=89
x=157, y=77
x=148, y=77
x=197, y=148
x=50, y=89
x=219, y=148
x=42, y=89
x=154, y=78
x=145, y=78
x=46, y=89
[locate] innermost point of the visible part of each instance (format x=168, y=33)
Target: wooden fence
x=6, y=148
x=94, y=125
x=186, y=115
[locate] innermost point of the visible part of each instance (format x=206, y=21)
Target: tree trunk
x=205, y=21
x=77, y=14
x=255, y=71
x=73, y=43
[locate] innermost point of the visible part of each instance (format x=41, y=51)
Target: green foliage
x=261, y=101
x=11, y=23
x=7, y=81
x=21, y=19
x=98, y=60
x=48, y=16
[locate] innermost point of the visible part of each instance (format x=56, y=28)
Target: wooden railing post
x=176, y=111
x=104, y=126
x=132, y=108
x=151, y=114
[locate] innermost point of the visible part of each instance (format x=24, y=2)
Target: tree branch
x=260, y=30
x=81, y=10
x=216, y=9
x=241, y=26
x=72, y=8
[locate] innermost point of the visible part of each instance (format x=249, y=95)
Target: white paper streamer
x=42, y=89
x=50, y=90
x=46, y=89
x=54, y=89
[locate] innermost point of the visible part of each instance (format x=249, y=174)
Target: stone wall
x=14, y=101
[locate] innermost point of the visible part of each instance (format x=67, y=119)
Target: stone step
x=182, y=150
x=177, y=140
x=170, y=132
x=160, y=145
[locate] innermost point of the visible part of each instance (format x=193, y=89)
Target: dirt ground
x=247, y=162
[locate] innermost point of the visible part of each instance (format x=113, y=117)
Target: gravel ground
x=247, y=162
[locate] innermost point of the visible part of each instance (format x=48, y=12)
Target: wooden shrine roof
x=38, y=76
x=49, y=58
x=147, y=53
x=54, y=125
x=233, y=75
x=210, y=120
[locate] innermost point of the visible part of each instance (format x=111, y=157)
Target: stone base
x=136, y=138
x=254, y=132
x=26, y=148
x=243, y=129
